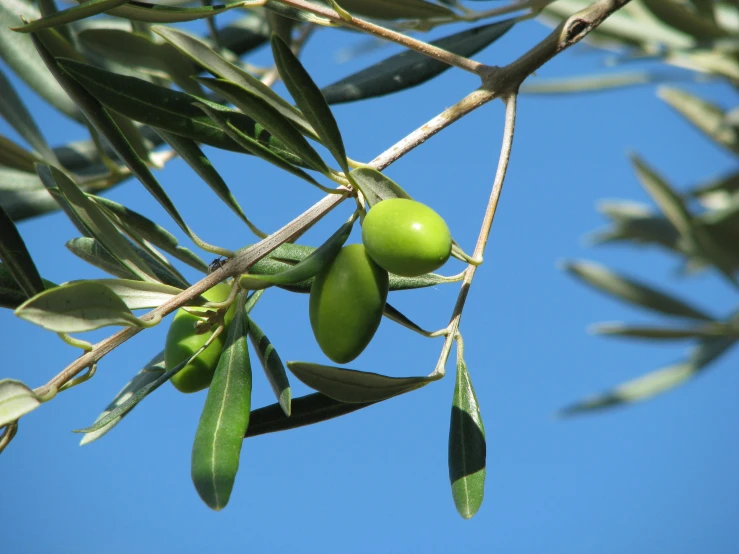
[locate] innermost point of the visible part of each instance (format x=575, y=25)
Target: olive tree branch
x=482, y=240
x=387, y=34
x=497, y=82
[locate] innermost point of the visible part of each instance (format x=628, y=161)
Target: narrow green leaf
x=306, y=410
x=706, y=117
x=279, y=8
x=375, y=186
x=14, y=111
x=268, y=117
x=158, y=13
x=77, y=307
x=656, y=382
x=224, y=421
x=309, y=99
x=15, y=156
x=16, y=258
x=99, y=225
x=82, y=11
x=411, y=68
x=716, y=192
x=278, y=158
x=204, y=55
x=398, y=317
x=632, y=291
x=18, y=52
x=272, y=365
x=188, y=150
x=16, y=400
x=305, y=269
x=594, y=83
x=397, y=9
x=11, y=294
x=349, y=385
x=138, y=294
x=134, y=223
x=683, y=19
x=150, y=372
x=467, y=449
x=664, y=333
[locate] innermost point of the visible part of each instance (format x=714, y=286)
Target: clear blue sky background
x=655, y=477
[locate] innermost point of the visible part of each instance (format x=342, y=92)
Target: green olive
x=346, y=303
x=182, y=342
x=406, y=237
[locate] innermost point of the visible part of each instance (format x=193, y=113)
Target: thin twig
x=387, y=34
x=482, y=239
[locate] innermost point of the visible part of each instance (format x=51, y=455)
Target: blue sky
x=655, y=477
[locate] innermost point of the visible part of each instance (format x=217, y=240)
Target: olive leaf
x=14, y=156
x=651, y=384
x=158, y=13
x=16, y=400
x=632, y=291
x=138, y=294
x=16, y=258
x=467, y=447
x=375, y=186
x=272, y=365
x=77, y=307
x=224, y=420
x=11, y=294
x=76, y=13
x=305, y=410
x=309, y=99
x=412, y=68
x=664, y=333
x=397, y=9
x=349, y=385
x=268, y=117
x=149, y=373
x=304, y=269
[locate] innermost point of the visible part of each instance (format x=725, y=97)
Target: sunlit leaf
x=16, y=400
x=272, y=365
x=411, y=68
x=151, y=371
x=376, y=186
x=467, y=449
x=632, y=291
x=224, y=420
x=656, y=382
x=304, y=269
x=138, y=294
x=82, y=11
x=77, y=307
x=158, y=13
x=349, y=385
x=396, y=9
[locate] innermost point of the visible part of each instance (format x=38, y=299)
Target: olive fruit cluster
x=348, y=296
x=183, y=341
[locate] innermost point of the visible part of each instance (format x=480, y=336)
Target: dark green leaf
x=150, y=372
x=224, y=421
x=397, y=9
x=18, y=52
x=278, y=7
x=411, y=68
x=632, y=291
x=664, y=333
x=306, y=410
x=349, y=385
x=77, y=307
x=268, y=117
x=14, y=111
x=398, y=317
x=309, y=99
x=15, y=156
x=467, y=450
x=656, y=382
x=82, y=11
x=272, y=364
x=304, y=269
x=158, y=13
x=16, y=258
x=681, y=18
x=11, y=294
x=202, y=54
x=375, y=186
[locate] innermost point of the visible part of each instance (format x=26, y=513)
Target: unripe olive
x=346, y=303
x=182, y=342
x=406, y=237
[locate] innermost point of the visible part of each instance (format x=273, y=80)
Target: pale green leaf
x=16, y=400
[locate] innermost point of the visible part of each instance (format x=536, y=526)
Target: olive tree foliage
x=149, y=90
x=699, y=226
